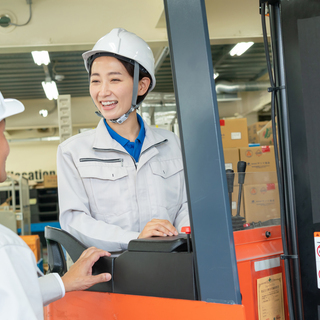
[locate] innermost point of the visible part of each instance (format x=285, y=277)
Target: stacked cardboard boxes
x=231, y=158
x=260, y=200
x=253, y=130
x=234, y=135
x=258, y=159
x=261, y=196
x=50, y=181
x=265, y=134
x=33, y=241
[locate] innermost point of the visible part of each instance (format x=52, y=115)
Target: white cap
x=9, y=107
x=124, y=44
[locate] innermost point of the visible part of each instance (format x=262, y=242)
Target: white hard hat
x=124, y=44
x=9, y=107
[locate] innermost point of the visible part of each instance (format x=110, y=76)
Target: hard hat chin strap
x=134, y=105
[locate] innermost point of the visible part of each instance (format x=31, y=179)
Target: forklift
x=211, y=271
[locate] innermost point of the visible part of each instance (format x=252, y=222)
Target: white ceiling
x=77, y=25
x=69, y=25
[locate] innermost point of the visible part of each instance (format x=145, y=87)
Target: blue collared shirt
x=133, y=148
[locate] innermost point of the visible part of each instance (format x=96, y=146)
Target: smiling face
x=111, y=87
x=4, y=151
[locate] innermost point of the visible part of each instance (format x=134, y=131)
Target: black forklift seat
x=157, y=266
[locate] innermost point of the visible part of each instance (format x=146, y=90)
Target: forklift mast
x=197, y=109
x=213, y=241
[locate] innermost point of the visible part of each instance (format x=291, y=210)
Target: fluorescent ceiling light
x=41, y=57
x=50, y=89
x=240, y=48
x=43, y=112
x=215, y=75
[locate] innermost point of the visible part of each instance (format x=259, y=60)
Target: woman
x=122, y=180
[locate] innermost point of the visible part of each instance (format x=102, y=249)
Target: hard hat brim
x=9, y=107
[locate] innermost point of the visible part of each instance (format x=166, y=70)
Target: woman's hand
x=79, y=276
x=158, y=228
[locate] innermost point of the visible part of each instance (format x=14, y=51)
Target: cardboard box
x=253, y=129
x=50, y=181
x=231, y=158
x=234, y=133
x=258, y=158
x=265, y=135
x=261, y=202
x=260, y=177
x=33, y=242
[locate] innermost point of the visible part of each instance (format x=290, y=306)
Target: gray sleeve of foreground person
x=22, y=293
x=106, y=199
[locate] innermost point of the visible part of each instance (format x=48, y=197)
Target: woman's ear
x=144, y=84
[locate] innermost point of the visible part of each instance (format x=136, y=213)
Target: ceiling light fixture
x=50, y=89
x=41, y=57
x=240, y=48
x=43, y=112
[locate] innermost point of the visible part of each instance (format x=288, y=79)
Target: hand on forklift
x=79, y=277
x=158, y=228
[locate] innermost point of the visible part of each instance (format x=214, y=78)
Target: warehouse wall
x=32, y=159
x=82, y=113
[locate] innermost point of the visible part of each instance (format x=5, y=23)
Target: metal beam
x=162, y=57
x=212, y=236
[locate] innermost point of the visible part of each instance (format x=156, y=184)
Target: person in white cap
x=123, y=180
x=22, y=293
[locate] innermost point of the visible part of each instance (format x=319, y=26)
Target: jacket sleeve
x=182, y=217
x=51, y=287
x=20, y=296
x=75, y=215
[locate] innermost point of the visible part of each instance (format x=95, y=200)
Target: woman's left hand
x=158, y=228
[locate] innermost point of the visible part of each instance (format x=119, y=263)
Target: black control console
x=157, y=266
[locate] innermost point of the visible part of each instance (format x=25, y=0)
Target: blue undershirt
x=133, y=148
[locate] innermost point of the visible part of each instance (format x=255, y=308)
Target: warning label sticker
x=317, y=255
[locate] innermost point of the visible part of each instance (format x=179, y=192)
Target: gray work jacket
x=106, y=198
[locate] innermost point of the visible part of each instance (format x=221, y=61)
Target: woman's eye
x=94, y=81
x=115, y=80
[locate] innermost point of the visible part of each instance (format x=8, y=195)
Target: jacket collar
x=152, y=138
x=104, y=141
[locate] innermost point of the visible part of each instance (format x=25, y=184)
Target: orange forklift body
x=251, y=246
x=98, y=305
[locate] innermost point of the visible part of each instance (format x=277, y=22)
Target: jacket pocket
x=166, y=184
x=107, y=188
x=105, y=173
x=101, y=160
x=166, y=169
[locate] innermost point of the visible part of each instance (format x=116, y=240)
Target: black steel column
x=210, y=216
x=301, y=39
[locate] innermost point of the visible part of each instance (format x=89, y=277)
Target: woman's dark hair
x=130, y=68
